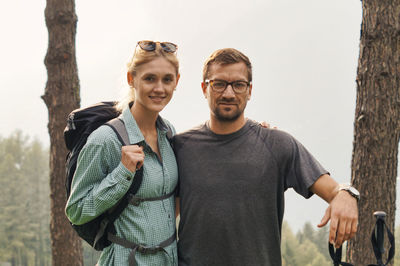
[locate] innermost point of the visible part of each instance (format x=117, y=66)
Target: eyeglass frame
x=210, y=81
x=153, y=44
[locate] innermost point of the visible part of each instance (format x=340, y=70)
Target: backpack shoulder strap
x=113, y=213
x=120, y=130
x=169, y=134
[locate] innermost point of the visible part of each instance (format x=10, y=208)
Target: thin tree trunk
x=61, y=96
x=376, y=126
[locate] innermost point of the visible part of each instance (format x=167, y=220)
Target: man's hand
x=132, y=157
x=342, y=210
x=343, y=213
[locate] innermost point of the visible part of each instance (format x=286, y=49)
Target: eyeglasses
x=220, y=86
x=149, y=46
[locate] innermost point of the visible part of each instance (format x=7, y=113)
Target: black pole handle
x=379, y=230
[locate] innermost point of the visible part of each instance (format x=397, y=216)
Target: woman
x=106, y=170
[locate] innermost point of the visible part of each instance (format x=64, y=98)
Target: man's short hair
x=227, y=56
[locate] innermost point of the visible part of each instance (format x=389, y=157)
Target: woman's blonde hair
x=139, y=58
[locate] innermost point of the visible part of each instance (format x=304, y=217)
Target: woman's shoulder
x=168, y=125
x=103, y=136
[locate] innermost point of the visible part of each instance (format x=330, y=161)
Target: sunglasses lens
x=169, y=47
x=147, y=45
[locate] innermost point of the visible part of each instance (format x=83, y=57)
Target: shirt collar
x=134, y=133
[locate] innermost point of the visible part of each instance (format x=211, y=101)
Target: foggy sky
x=304, y=56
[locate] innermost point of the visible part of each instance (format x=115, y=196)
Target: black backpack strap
x=170, y=135
x=141, y=248
x=337, y=256
x=163, y=124
x=137, y=200
x=107, y=224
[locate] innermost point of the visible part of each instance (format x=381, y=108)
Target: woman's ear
x=129, y=78
x=177, y=80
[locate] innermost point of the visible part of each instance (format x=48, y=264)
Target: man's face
x=227, y=106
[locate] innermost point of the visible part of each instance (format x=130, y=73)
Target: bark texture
x=61, y=97
x=376, y=125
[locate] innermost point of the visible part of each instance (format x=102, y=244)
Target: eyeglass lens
x=151, y=46
x=221, y=85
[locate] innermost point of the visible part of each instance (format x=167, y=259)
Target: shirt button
x=128, y=178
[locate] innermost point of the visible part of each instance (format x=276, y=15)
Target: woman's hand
x=132, y=157
x=266, y=125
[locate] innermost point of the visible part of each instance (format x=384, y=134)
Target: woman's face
x=154, y=84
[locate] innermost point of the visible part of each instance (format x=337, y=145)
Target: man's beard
x=227, y=117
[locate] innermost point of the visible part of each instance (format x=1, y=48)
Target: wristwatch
x=351, y=190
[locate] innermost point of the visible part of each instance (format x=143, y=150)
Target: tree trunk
x=376, y=126
x=61, y=97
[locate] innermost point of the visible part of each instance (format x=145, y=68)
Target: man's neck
x=226, y=127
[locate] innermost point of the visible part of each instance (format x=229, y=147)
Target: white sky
x=304, y=56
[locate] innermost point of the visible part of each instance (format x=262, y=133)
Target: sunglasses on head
x=168, y=47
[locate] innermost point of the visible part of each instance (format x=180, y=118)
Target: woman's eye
x=149, y=78
x=168, y=79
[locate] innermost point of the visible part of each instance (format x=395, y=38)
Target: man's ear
x=129, y=78
x=250, y=89
x=204, y=88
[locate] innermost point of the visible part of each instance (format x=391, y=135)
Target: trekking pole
x=378, y=239
x=336, y=256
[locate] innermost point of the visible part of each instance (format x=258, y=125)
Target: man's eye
x=219, y=84
x=240, y=85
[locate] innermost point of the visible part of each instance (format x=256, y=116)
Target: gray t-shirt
x=231, y=190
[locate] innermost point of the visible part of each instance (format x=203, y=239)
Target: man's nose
x=228, y=92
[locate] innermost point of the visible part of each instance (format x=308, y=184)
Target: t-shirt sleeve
x=302, y=169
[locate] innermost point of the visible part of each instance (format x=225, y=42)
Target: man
x=233, y=175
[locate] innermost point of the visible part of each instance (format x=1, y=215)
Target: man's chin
x=227, y=117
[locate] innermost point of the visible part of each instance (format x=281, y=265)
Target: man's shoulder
x=189, y=136
x=197, y=130
x=278, y=142
x=268, y=134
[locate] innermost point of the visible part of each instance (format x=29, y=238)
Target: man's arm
x=342, y=210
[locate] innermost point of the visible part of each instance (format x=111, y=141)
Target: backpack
x=80, y=124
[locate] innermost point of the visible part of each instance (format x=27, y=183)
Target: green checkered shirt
x=101, y=180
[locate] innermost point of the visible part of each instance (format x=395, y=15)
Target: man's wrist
x=350, y=189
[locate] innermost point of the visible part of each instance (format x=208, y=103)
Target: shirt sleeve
x=100, y=180
x=302, y=169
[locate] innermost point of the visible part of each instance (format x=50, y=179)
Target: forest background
x=25, y=214
x=304, y=56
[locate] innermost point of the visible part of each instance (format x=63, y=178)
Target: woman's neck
x=144, y=119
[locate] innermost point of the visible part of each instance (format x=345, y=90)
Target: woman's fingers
x=132, y=157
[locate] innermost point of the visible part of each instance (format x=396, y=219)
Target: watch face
x=354, y=191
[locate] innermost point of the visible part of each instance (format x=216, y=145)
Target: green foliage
x=24, y=202
x=308, y=247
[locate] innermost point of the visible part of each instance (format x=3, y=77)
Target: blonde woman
x=145, y=234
